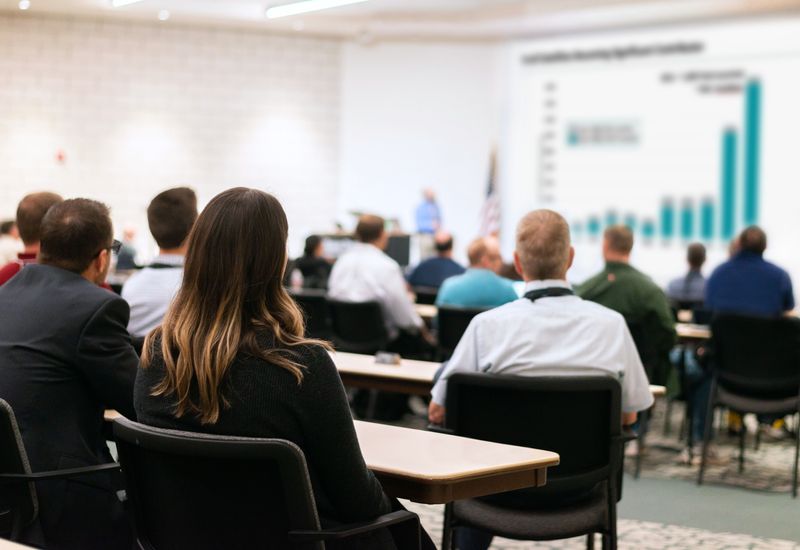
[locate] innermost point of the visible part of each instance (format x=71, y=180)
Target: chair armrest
x=352, y=529
x=439, y=429
x=58, y=474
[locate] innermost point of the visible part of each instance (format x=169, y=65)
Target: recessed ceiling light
x=120, y=3
x=24, y=4
x=163, y=15
x=306, y=6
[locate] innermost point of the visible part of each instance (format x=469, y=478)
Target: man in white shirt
x=10, y=243
x=550, y=331
x=171, y=216
x=364, y=273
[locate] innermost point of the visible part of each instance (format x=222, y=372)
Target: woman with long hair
x=231, y=357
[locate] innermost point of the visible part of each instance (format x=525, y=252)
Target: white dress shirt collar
x=169, y=259
x=546, y=283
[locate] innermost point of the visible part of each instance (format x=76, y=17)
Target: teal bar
x=707, y=219
x=648, y=229
x=630, y=222
x=577, y=229
x=611, y=218
x=752, y=151
x=667, y=219
x=593, y=226
x=728, y=190
x=687, y=220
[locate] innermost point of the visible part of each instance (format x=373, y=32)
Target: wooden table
x=409, y=377
x=435, y=468
x=688, y=332
x=426, y=311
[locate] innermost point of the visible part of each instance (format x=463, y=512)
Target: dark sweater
x=266, y=401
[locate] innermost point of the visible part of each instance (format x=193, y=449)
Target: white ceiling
x=453, y=19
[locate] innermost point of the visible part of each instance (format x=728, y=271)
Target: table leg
x=447, y=529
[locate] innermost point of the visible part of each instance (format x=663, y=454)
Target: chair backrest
x=190, y=490
x=426, y=294
x=357, y=327
x=452, y=322
x=579, y=417
x=647, y=352
x=315, y=311
x=18, y=503
x=757, y=357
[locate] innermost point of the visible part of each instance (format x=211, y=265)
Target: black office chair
x=579, y=417
x=199, y=491
x=453, y=322
x=357, y=327
x=19, y=506
x=315, y=311
x=426, y=294
x=756, y=369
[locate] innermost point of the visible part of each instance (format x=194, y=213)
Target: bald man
x=480, y=286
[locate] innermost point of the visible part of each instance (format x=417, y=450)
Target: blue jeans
x=698, y=389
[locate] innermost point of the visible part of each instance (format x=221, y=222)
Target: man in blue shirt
x=747, y=284
x=433, y=271
x=428, y=215
x=691, y=288
x=480, y=286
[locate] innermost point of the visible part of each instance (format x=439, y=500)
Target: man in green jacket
x=633, y=294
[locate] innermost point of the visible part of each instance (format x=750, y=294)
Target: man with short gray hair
x=550, y=331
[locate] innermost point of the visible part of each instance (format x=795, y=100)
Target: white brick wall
x=137, y=108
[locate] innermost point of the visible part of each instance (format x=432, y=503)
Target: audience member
x=428, y=215
x=65, y=355
x=312, y=265
x=30, y=212
x=549, y=332
x=231, y=358
x=364, y=273
x=691, y=288
x=10, y=243
x=641, y=302
x=480, y=286
x=433, y=271
x=126, y=259
x=171, y=215
x=747, y=284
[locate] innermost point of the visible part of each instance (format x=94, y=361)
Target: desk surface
x=408, y=369
x=688, y=331
x=426, y=311
x=8, y=545
x=436, y=468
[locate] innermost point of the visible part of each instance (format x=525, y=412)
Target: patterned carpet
x=767, y=469
x=632, y=535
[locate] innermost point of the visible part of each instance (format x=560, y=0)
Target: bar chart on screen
x=683, y=135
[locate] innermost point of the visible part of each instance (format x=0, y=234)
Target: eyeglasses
x=114, y=248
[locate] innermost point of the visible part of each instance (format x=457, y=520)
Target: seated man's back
x=432, y=272
x=364, y=273
x=480, y=286
x=65, y=356
x=749, y=285
x=170, y=216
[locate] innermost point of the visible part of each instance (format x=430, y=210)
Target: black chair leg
x=590, y=541
x=758, y=436
x=796, y=457
x=448, y=540
x=707, y=431
x=742, y=433
x=644, y=425
x=668, y=419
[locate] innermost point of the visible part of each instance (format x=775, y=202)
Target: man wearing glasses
x=65, y=356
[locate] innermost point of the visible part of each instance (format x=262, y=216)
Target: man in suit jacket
x=65, y=356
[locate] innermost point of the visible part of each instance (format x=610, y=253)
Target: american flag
x=490, y=212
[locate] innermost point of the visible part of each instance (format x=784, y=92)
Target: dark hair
x=171, y=215
x=753, y=239
x=444, y=246
x=31, y=211
x=74, y=232
x=369, y=228
x=232, y=292
x=312, y=242
x=619, y=238
x=696, y=255
x=6, y=227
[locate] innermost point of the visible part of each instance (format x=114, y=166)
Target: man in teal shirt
x=480, y=286
x=633, y=294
